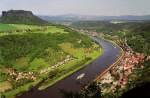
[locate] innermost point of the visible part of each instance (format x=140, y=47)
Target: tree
x=93, y=90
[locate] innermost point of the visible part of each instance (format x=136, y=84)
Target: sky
x=79, y=7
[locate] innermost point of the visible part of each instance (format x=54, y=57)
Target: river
x=91, y=71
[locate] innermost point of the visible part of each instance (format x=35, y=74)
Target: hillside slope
x=30, y=54
x=21, y=17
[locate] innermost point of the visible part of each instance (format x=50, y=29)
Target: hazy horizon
x=79, y=7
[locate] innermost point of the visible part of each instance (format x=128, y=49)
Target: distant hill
x=21, y=17
x=72, y=17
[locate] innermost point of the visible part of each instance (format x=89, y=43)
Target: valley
x=49, y=55
x=30, y=54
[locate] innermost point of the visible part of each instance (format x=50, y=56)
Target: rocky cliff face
x=21, y=17
x=17, y=13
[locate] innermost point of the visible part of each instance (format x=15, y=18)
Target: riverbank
x=72, y=66
x=41, y=54
x=115, y=79
x=79, y=65
x=120, y=57
x=71, y=83
x=110, y=67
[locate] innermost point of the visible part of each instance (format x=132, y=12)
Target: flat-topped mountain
x=21, y=17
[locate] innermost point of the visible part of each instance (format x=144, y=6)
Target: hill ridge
x=21, y=17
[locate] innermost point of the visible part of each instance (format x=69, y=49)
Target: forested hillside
x=21, y=17
x=30, y=54
x=137, y=33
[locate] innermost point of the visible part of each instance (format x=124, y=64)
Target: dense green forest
x=34, y=45
x=139, y=38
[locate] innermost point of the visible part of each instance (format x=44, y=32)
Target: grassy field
x=26, y=51
x=13, y=27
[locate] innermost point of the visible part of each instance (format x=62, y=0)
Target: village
x=117, y=75
x=67, y=59
x=31, y=75
x=20, y=75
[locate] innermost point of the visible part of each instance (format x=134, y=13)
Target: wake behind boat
x=80, y=76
